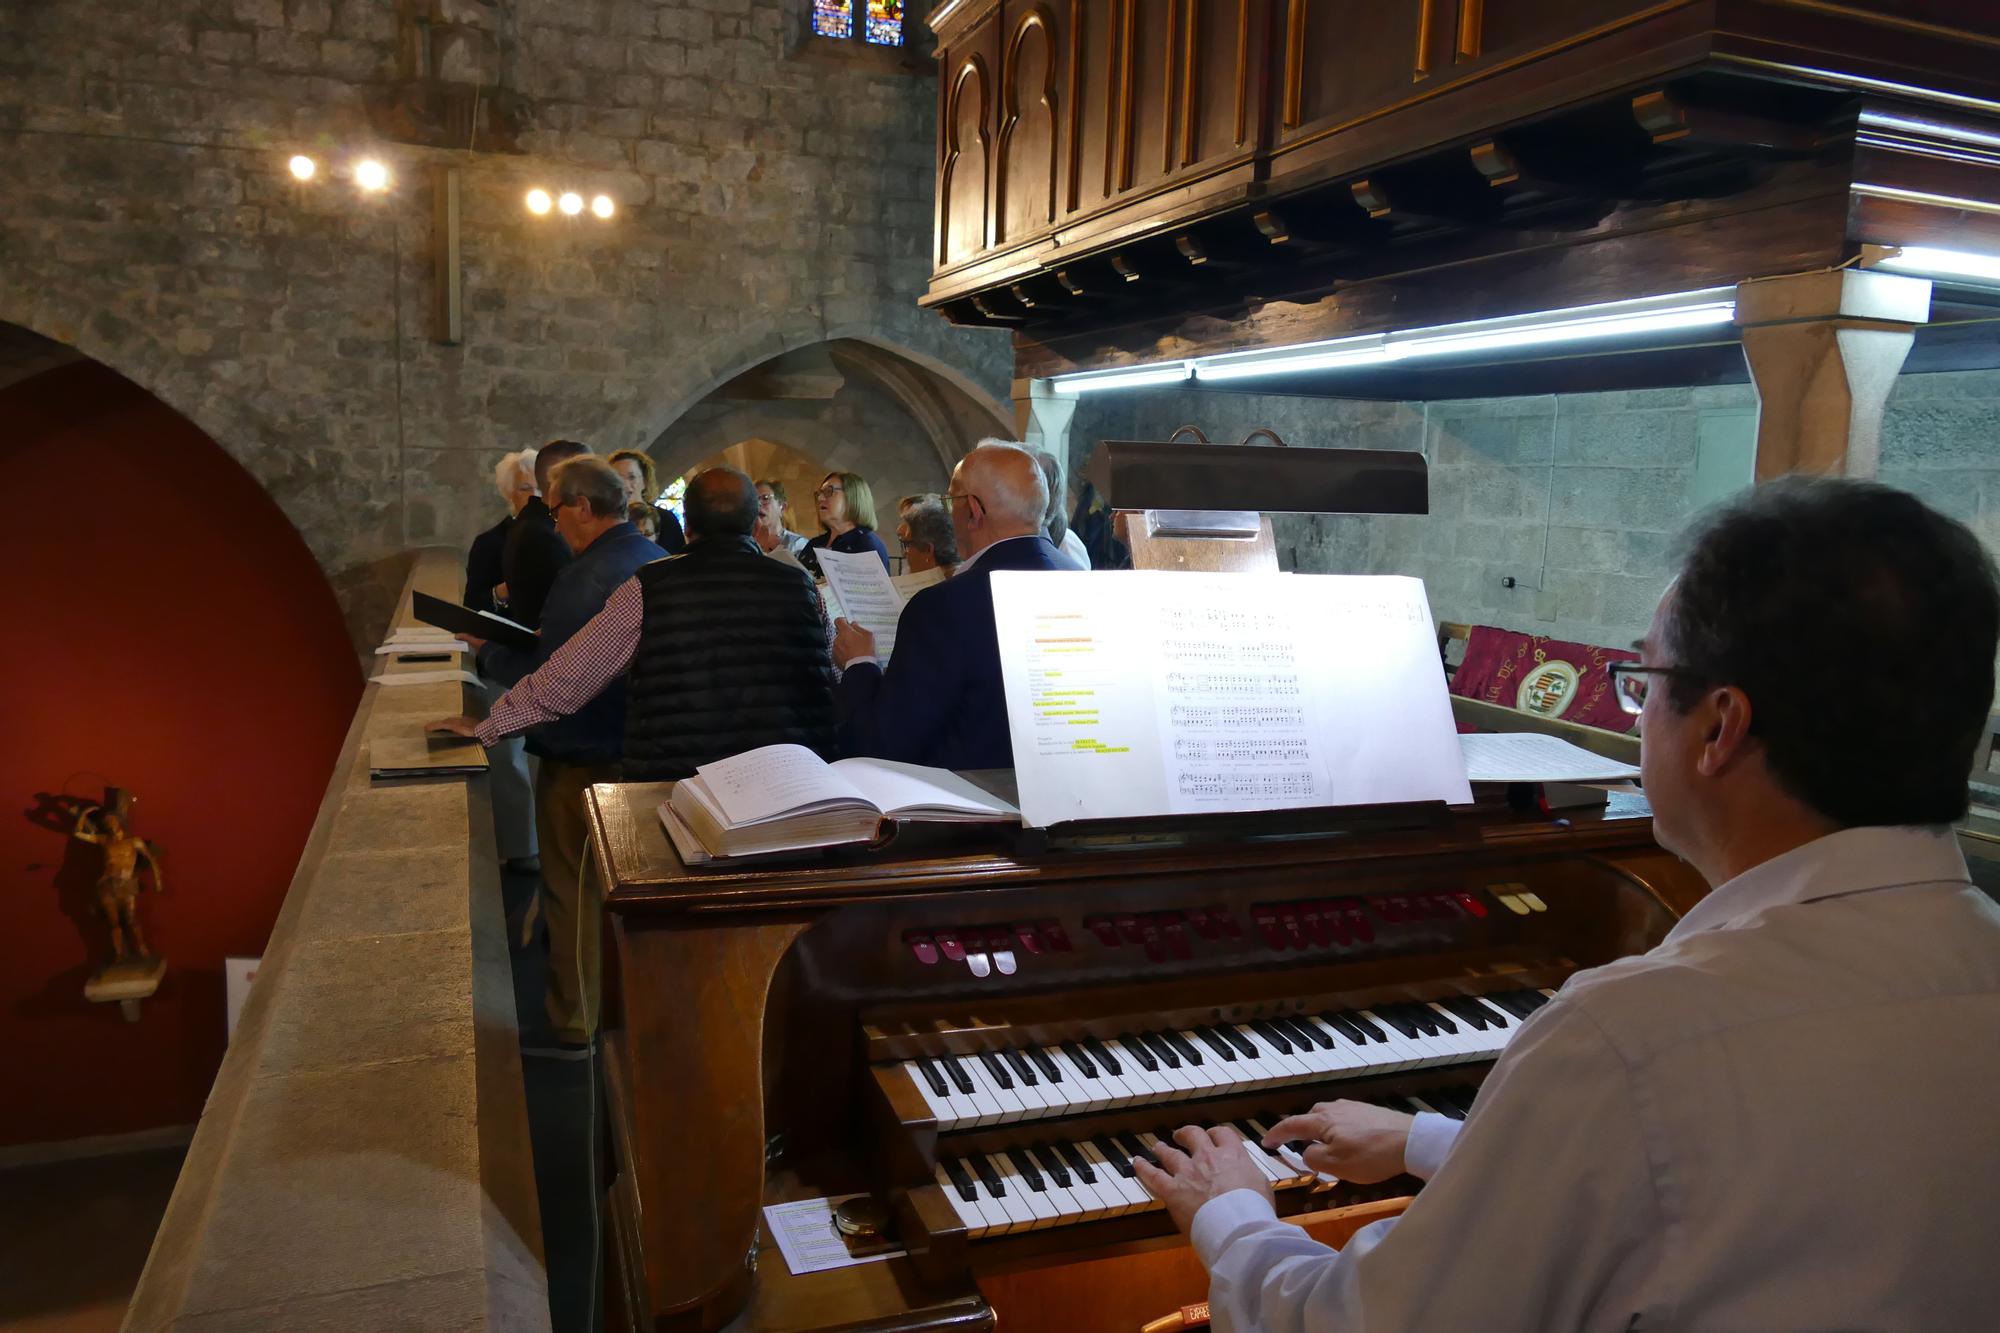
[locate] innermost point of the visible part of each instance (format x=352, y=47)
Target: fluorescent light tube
x=1569, y=330
x=1293, y=360
x=1930, y=262
x=1135, y=378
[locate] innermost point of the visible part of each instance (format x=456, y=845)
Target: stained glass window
x=885, y=22
x=675, y=498
x=835, y=18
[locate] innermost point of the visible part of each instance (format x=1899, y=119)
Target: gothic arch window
x=873, y=22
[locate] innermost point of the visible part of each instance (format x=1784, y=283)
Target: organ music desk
x=941, y=1019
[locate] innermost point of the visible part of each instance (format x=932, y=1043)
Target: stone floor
x=73, y=1237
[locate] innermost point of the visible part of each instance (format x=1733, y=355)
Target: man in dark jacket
x=535, y=553
x=588, y=504
x=940, y=701
x=507, y=778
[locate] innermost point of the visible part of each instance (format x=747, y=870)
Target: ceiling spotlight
x=602, y=206
x=303, y=167
x=371, y=175
x=571, y=203
x=538, y=202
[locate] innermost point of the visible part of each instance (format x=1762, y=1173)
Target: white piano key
x=985, y=1110
x=1041, y=1208
x=1020, y=1213
x=941, y=1105
x=1133, y=1195
x=1009, y=1104
x=1069, y=1208
x=1157, y=1087
x=971, y=1213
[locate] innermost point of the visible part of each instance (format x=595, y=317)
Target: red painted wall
x=169, y=633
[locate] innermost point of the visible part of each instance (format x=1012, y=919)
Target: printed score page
x=862, y=589
x=1136, y=693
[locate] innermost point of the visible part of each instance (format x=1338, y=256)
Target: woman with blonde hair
x=642, y=486
x=846, y=508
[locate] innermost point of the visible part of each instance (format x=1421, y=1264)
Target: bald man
x=939, y=701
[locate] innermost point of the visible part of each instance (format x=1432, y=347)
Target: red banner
x=1544, y=676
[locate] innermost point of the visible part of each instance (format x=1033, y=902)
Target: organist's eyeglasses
x=1630, y=681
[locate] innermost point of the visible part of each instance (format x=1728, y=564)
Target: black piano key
x=931, y=1075
x=1445, y=1102
x=988, y=1176
x=1114, y=1154
x=1134, y=1148
x=1103, y=1056
x=1444, y=1024
x=1162, y=1052
x=960, y=1178
x=1471, y=1011
x=1184, y=1046
x=1393, y=1015
x=1495, y=1015
x=1214, y=1041
x=1078, y=1164
x=1425, y=1018
x=1137, y=1050
x=959, y=1078
x=1026, y=1166
x=1078, y=1058
x=1022, y=1069
x=1052, y=1165
x=1305, y=1033
x=1465, y=1093
x=1345, y=1025
x=1045, y=1063
x=997, y=1069
x=1372, y=1029
x=1264, y=1028
x=1244, y=1046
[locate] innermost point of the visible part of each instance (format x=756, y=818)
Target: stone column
x=1824, y=349
x=1042, y=417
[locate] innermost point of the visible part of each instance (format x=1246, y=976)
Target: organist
x=1780, y=1117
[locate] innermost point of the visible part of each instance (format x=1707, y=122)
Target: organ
x=978, y=1026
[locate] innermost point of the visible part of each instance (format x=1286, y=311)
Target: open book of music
x=786, y=798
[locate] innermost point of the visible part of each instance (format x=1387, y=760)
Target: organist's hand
x=1213, y=1164
x=453, y=726
x=1355, y=1141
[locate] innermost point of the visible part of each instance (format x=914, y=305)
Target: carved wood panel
x=1343, y=59
x=1488, y=28
x=964, y=168
x=1027, y=182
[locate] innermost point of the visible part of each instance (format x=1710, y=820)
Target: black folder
x=462, y=620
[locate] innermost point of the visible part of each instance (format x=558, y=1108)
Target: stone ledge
x=363, y=1158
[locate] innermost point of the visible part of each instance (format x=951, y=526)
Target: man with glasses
x=1780, y=1118
x=940, y=701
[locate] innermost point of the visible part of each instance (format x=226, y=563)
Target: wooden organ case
x=847, y=1024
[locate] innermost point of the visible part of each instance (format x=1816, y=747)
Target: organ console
x=980, y=1027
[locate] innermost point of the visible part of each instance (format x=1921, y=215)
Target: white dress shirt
x=1786, y=1116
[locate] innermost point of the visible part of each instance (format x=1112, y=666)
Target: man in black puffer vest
x=732, y=650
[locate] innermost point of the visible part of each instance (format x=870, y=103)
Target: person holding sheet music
x=940, y=700
x=846, y=507
x=1781, y=1117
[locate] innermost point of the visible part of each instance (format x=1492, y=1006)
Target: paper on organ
x=1521, y=756
x=1136, y=693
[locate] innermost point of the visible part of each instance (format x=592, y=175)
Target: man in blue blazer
x=940, y=701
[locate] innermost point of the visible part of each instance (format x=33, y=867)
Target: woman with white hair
x=514, y=478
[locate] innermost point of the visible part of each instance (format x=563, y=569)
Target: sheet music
x=1147, y=693
x=764, y=783
x=909, y=584
x=865, y=595
x=1521, y=756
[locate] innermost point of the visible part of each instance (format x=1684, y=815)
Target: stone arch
x=921, y=340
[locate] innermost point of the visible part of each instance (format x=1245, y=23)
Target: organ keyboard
x=982, y=1033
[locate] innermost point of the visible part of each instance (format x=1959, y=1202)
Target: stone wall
x=1577, y=498
x=768, y=197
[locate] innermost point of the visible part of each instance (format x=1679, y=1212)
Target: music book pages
x=1142, y=692
x=1522, y=756
x=785, y=797
x=861, y=591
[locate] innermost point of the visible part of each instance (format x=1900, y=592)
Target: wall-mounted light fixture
x=539, y=202
x=1941, y=265
x=371, y=175
x=302, y=167
x=602, y=206
x=1614, y=319
x=571, y=203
